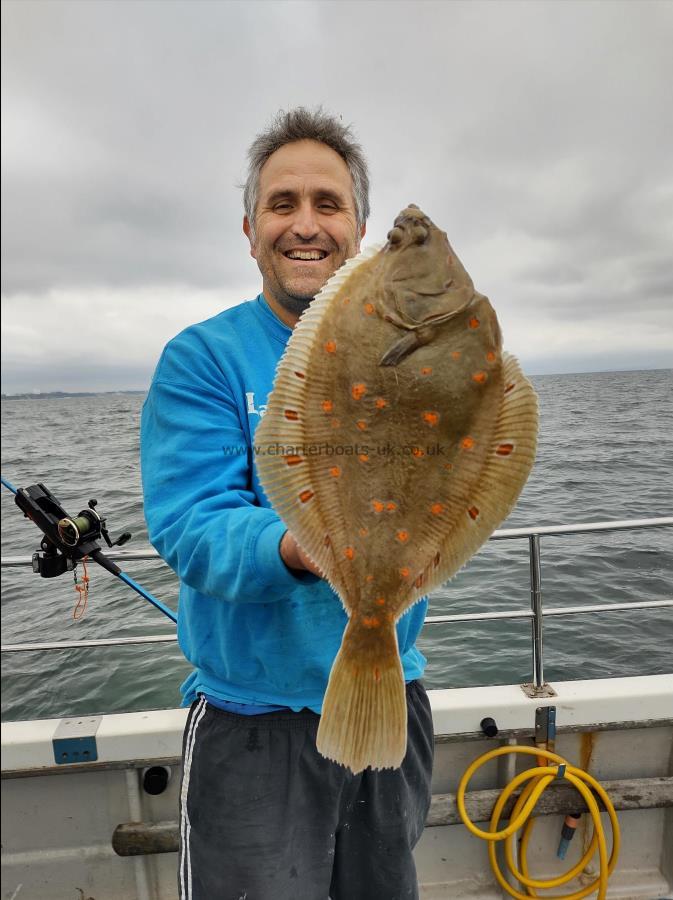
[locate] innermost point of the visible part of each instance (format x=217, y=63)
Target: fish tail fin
x=364, y=715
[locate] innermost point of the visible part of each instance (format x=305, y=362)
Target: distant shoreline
x=62, y=395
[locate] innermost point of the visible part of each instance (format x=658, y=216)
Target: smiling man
x=306, y=224
x=262, y=814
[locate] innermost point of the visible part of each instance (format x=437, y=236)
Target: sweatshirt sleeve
x=201, y=511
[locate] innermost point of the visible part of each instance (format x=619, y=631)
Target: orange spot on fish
x=347, y=300
x=330, y=347
x=431, y=417
x=335, y=423
x=305, y=496
x=510, y=387
x=473, y=512
x=349, y=553
x=448, y=466
x=437, y=509
x=479, y=377
x=362, y=425
x=327, y=406
x=369, y=578
x=363, y=532
x=369, y=308
x=377, y=506
x=491, y=356
x=293, y=460
x=390, y=506
x=381, y=403
x=403, y=536
x=467, y=443
x=504, y=449
x=300, y=375
x=371, y=621
x=380, y=601
x=292, y=415
x=455, y=354
x=426, y=370
x=417, y=452
x=405, y=572
x=363, y=457
x=474, y=322
x=358, y=391
x=335, y=471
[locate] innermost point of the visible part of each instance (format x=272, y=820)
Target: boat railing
x=536, y=614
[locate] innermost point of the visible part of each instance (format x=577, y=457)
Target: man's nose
x=305, y=222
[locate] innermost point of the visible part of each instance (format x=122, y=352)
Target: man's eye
x=281, y=207
x=330, y=207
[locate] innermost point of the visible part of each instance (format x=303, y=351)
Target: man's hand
x=294, y=557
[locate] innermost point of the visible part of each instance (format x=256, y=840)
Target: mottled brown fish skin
x=389, y=502
x=397, y=373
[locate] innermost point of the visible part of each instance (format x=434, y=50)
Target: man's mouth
x=306, y=255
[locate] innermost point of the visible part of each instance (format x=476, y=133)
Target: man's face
x=305, y=226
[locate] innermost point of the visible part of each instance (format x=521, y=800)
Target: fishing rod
x=69, y=539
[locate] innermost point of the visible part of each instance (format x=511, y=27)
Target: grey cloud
x=537, y=135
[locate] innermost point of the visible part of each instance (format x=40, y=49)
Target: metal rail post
x=536, y=607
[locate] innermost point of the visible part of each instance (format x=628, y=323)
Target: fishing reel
x=67, y=539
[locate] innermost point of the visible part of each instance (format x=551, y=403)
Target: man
x=263, y=816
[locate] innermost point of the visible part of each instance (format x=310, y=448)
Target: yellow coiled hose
x=536, y=781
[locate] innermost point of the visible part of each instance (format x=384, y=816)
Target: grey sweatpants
x=263, y=816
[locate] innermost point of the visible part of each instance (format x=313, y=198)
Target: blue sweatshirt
x=255, y=631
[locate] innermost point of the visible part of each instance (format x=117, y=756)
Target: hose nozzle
x=567, y=833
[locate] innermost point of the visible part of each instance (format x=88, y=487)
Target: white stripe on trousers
x=185, y=827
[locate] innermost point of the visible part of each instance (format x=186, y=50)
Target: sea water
x=604, y=454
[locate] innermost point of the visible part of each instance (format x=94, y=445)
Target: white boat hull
x=58, y=820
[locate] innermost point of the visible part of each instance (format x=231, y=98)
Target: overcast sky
x=537, y=134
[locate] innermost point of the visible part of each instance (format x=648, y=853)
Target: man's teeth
x=306, y=254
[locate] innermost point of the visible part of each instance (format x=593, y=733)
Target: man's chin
x=297, y=297
x=295, y=304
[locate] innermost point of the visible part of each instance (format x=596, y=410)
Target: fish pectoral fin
x=401, y=349
x=418, y=334
x=364, y=714
x=395, y=320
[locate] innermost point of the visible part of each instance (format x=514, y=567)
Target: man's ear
x=247, y=231
x=363, y=231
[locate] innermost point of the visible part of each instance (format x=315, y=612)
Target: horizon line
x=144, y=390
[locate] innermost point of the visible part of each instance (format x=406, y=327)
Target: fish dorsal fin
x=290, y=488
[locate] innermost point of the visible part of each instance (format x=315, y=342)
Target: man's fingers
x=308, y=563
x=294, y=557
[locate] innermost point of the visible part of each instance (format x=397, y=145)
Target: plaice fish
x=397, y=437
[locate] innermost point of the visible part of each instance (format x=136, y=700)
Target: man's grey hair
x=302, y=124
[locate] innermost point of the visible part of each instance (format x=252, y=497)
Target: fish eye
x=420, y=233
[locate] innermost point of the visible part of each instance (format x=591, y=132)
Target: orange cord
x=82, y=588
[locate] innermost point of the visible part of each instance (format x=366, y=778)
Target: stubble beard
x=295, y=303
x=292, y=297
x=288, y=290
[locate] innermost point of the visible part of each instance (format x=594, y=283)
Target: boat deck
x=60, y=820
